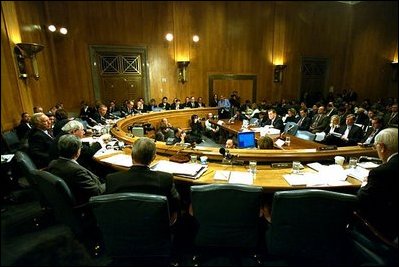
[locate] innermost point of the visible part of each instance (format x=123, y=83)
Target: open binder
x=186, y=170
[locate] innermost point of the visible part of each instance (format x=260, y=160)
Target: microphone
x=225, y=153
x=289, y=128
x=93, y=121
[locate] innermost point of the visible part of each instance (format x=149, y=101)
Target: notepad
x=188, y=170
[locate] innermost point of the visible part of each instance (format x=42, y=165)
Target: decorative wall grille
x=120, y=64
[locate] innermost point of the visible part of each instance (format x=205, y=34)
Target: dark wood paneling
x=235, y=37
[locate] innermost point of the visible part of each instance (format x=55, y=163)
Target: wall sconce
x=61, y=30
x=24, y=50
x=278, y=73
x=182, y=68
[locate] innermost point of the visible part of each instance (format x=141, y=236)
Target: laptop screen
x=246, y=140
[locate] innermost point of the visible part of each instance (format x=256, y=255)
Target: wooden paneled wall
x=238, y=37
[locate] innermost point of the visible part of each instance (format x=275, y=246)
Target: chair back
x=11, y=141
x=309, y=223
x=291, y=128
x=305, y=135
x=59, y=197
x=227, y=215
x=133, y=224
x=26, y=166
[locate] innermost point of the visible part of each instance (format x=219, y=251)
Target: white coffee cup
x=203, y=159
x=339, y=160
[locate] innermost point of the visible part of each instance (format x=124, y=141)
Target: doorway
x=313, y=79
x=119, y=73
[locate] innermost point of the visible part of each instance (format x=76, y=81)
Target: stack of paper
x=234, y=177
x=188, y=170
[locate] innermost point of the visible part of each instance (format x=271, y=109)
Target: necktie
x=300, y=122
x=348, y=128
x=371, y=136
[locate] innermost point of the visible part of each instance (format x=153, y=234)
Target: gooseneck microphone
x=225, y=153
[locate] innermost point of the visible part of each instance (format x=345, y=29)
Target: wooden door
x=313, y=80
x=119, y=73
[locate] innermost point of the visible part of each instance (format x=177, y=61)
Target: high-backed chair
x=310, y=225
x=135, y=226
x=11, y=141
x=59, y=197
x=291, y=128
x=305, y=135
x=227, y=217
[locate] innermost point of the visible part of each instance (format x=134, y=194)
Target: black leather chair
x=135, y=227
x=78, y=218
x=309, y=226
x=371, y=247
x=11, y=140
x=228, y=217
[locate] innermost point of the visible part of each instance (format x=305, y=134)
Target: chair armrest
x=373, y=231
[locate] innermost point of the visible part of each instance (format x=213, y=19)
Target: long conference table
x=271, y=179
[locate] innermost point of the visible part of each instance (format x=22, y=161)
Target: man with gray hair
x=141, y=179
x=82, y=182
x=40, y=140
x=378, y=198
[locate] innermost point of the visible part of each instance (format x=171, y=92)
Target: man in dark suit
x=319, y=121
x=24, y=126
x=303, y=121
x=82, y=182
x=377, y=126
x=378, y=196
x=351, y=134
x=40, y=140
x=141, y=179
x=274, y=120
x=101, y=116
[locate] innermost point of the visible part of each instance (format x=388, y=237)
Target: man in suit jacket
x=378, y=196
x=303, y=121
x=40, y=140
x=274, y=120
x=351, y=134
x=141, y=179
x=24, y=127
x=377, y=125
x=319, y=121
x=82, y=182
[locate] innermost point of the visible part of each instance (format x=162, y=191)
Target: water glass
x=296, y=167
x=193, y=158
x=204, y=160
x=288, y=141
x=352, y=162
x=252, y=166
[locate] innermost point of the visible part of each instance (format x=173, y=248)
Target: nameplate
x=326, y=148
x=281, y=165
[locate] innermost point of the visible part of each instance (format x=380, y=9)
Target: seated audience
x=391, y=119
x=377, y=126
x=319, y=121
x=351, y=134
x=39, y=140
x=303, y=121
x=179, y=136
x=195, y=133
x=165, y=130
x=82, y=182
x=378, y=197
x=164, y=104
x=200, y=102
x=139, y=178
x=274, y=120
x=23, y=128
x=100, y=117
x=211, y=129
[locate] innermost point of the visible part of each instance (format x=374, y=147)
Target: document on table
x=189, y=170
x=322, y=178
x=234, y=177
x=120, y=160
x=358, y=173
